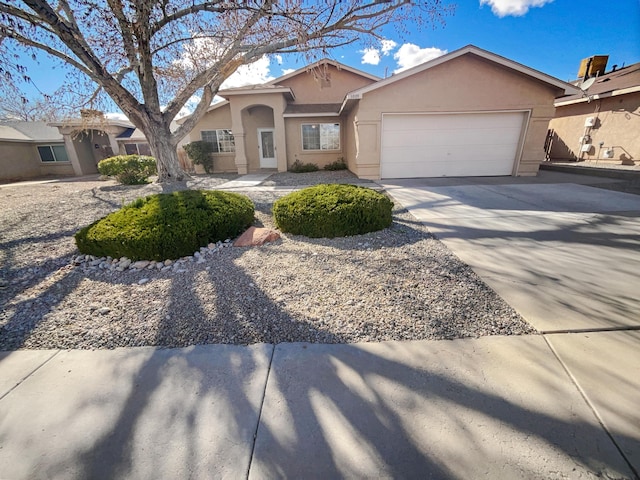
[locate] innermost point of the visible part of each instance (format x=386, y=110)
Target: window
x=321, y=136
x=137, y=149
x=53, y=153
x=222, y=140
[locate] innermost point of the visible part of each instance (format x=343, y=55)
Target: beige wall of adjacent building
x=20, y=160
x=465, y=84
x=617, y=124
x=86, y=155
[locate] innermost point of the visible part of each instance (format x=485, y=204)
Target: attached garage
x=467, y=113
x=450, y=144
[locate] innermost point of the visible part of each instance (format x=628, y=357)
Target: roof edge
x=335, y=63
x=598, y=96
x=79, y=122
x=566, y=87
x=257, y=90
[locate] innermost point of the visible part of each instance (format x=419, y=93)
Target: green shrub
x=337, y=165
x=200, y=154
x=167, y=226
x=332, y=211
x=299, y=167
x=128, y=169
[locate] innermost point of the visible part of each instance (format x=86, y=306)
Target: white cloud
x=287, y=71
x=410, y=55
x=203, y=52
x=387, y=46
x=516, y=8
x=253, y=74
x=370, y=56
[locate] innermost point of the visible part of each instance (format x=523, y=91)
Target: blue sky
x=549, y=35
x=552, y=37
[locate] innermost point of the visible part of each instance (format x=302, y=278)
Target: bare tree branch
x=152, y=56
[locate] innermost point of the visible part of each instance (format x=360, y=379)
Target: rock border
x=93, y=263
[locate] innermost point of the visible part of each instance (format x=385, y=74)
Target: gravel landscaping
x=395, y=284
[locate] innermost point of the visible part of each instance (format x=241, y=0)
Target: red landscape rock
x=256, y=236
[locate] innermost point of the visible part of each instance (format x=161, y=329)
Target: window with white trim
x=221, y=139
x=321, y=136
x=52, y=153
x=137, y=149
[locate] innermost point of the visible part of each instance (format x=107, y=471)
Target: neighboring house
x=603, y=123
x=467, y=113
x=66, y=148
x=95, y=137
x=32, y=149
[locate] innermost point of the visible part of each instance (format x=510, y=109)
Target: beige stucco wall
x=349, y=135
x=294, y=142
x=617, y=125
x=307, y=89
x=219, y=118
x=464, y=84
x=20, y=160
x=84, y=148
x=254, y=118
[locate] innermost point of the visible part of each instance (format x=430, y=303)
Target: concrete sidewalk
x=558, y=406
x=244, y=181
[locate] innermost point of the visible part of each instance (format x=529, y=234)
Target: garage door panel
x=448, y=153
x=443, y=168
x=453, y=121
x=451, y=137
x=427, y=145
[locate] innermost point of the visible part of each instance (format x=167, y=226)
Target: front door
x=266, y=146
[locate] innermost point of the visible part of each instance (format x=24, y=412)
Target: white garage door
x=452, y=145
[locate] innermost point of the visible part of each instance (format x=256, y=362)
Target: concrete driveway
x=565, y=255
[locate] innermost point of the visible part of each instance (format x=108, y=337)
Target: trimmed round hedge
x=332, y=211
x=128, y=169
x=167, y=226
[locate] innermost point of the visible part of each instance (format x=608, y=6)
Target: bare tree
x=152, y=56
x=14, y=106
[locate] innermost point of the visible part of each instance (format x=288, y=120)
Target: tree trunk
x=165, y=153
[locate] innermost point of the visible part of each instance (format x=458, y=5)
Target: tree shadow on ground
x=330, y=411
x=399, y=410
x=396, y=410
x=38, y=298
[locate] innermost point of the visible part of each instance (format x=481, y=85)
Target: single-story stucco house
x=603, y=123
x=66, y=148
x=95, y=137
x=32, y=149
x=468, y=113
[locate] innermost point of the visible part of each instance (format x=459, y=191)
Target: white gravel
x=395, y=284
